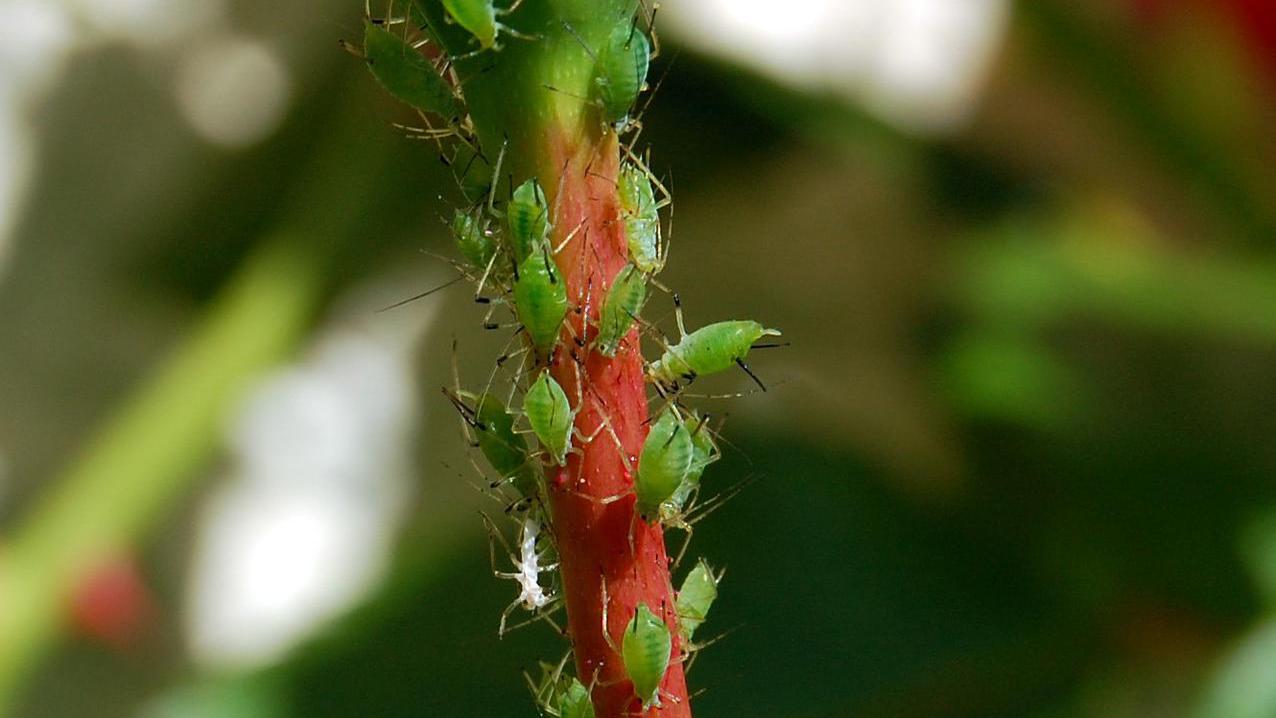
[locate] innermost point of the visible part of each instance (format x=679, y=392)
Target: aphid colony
x=505, y=238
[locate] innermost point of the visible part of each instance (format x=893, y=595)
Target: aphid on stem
x=531, y=596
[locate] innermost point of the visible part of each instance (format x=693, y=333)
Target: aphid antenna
x=496, y=178
x=422, y=295
x=585, y=46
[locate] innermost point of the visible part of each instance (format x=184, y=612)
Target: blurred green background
x=1018, y=460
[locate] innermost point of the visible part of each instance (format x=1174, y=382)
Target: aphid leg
x=570, y=236
x=606, y=633
x=513, y=6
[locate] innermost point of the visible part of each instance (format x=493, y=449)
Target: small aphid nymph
x=503, y=448
x=663, y=465
x=646, y=649
x=641, y=215
x=528, y=219
x=621, y=306
x=540, y=298
x=405, y=73
x=472, y=240
x=695, y=598
x=707, y=350
x=550, y=415
x=622, y=72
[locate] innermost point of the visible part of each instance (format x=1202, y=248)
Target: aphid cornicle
x=472, y=240
x=707, y=350
x=528, y=219
x=405, y=73
x=695, y=598
x=622, y=72
x=663, y=465
x=641, y=218
x=540, y=298
x=550, y=415
x=622, y=304
x=645, y=650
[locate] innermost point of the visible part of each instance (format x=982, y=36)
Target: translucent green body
x=622, y=72
x=708, y=350
x=473, y=243
x=504, y=449
x=573, y=701
x=540, y=298
x=641, y=217
x=646, y=649
x=695, y=598
x=407, y=74
x=623, y=302
x=703, y=452
x=663, y=464
x=550, y=415
x=476, y=16
x=528, y=218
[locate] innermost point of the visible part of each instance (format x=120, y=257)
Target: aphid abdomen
x=405, y=73
x=663, y=464
x=540, y=299
x=641, y=218
x=471, y=240
x=622, y=71
x=646, y=649
x=528, y=218
x=550, y=415
x=476, y=16
x=717, y=347
x=623, y=303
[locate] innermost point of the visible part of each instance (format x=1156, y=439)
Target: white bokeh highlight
x=321, y=474
x=918, y=64
x=232, y=90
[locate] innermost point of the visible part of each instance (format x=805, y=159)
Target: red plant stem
x=603, y=542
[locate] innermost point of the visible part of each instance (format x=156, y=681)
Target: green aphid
x=528, y=219
x=622, y=304
x=473, y=241
x=695, y=598
x=550, y=415
x=645, y=650
x=622, y=72
x=574, y=701
x=704, y=451
x=708, y=350
x=663, y=465
x=405, y=73
x=540, y=298
x=561, y=696
x=504, y=449
x=476, y=16
x=641, y=216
